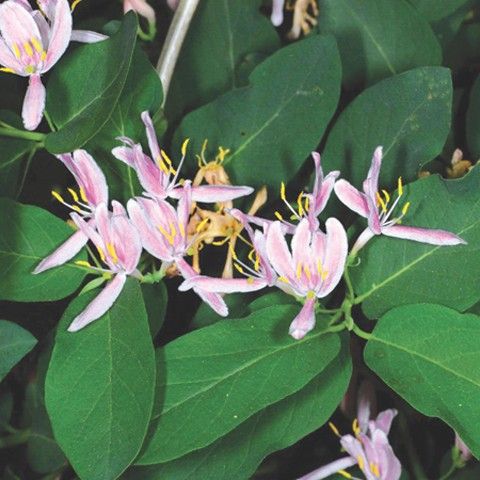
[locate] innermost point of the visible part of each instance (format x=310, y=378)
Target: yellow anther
x=279, y=216
x=300, y=205
x=112, y=252
x=374, y=469
x=307, y=203
x=181, y=228
x=101, y=253
x=73, y=193
x=283, y=192
x=307, y=271
x=184, y=146
x=16, y=50
x=283, y=279
x=250, y=280
x=43, y=56
x=173, y=230
x=344, y=473
x=76, y=208
x=7, y=70
x=28, y=49
x=36, y=45
x=222, y=153
x=334, y=429
x=356, y=427
x=386, y=195
x=239, y=268
x=400, y=187
x=57, y=196
x=167, y=235
x=232, y=251
x=82, y=195
x=166, y=158
x=162, y=166
x=83, y=263
x=74, y=4
x=360, y=463
x=324, y=275
x=256, y=265
x=200, y=226
x=299, y=270
x=220, y=243
x=319, y=266
x=381, y=202
x=405, y=208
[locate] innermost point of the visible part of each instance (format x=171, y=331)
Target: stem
x=361, y=333
x=451, y=470
x=173, y=43
x=25, y=134
x=26, y=169
x=348, y=283
x=21, y=436
x=49, y=121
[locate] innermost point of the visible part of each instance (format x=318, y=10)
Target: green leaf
x=378, y=38
x=213, y=384
x=409, y=114
x=100, y=386
x=395, y=272
x=221, y=42
x=434, y=10
x=85, y=87
x=236, y=455
x=430, y=355
x=155, y=297
x=143, y=91
x=15, y=343
x=473, y=120
x=27, y=235
x=272, y=125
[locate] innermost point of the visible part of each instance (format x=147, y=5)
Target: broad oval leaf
x=100, y=386
x=378, y=38
x=409, y=114
x=155, y=297
x=85, y=86
x=435, y=10
x=15, y=343
x=220, y=41
x=430, y=355
x=27, y=235
x=236, y=455
x=220, y=375
x=272, y=125
x=395, y=272
x=473, y=120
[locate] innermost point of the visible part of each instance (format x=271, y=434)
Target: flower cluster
x=300, y=258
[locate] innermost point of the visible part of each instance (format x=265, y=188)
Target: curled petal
x=424, y=235
x=370, y=185
x=151, y=135
x=214, y=193
x=351, y=197
x=60, y=34
x=100, y=304
x=63, y=253
x=125, y=154
x=223, y=285
x=89, y=176
x=277, y=251
x=384, y=420
x=87, y=36
x=301, y=239
x=304, y=321
x=34, y=103
x=127, y=242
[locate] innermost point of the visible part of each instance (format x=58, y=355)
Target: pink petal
x=214, y=193
x=60, y=34
x=423, y=235
x=304, y=321
x=127, y=242
x=351, y=197
x=336, y=251
x=34, y=103
x=330, y=469
x=370, y=185
x=87, y=229
x=214, y=300
x=7, y=58
x=277, y=251
x=185, y=205
x=277, y=12
x=63, y=253
x=87, y=36
x=222, y=285
x=100, y=304
x=125, y=154
x=388, y=464
x=366, y=403
x=322, y=187
x=301, y=252
x=43, y=26
x=384, y=420
x=89, y=176
x=151, y=135
x=48, y=8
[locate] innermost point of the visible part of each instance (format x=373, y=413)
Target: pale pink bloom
x=32, y=41
x=119, y=247
x=277, y=12
x=93, y=191
x=310, y=270
x=368, y=447
x=374, y=206
x=163, y=232
x=158, y=177
x=465, y=452
x=142, y=8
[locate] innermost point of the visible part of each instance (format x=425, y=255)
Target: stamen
x=299, y=270
x=387, y=196
x=250, y=280
x=184, y=146
x=232, y=251
x=28, y=49
x=182, y=230
x=334, y=429
x=74, y=4
x=83, y=263
x=7, y=70
x=162, y=166
x=73, y=193
x=279, y=216
x=400, y=187
x=220, y=243
x=36, y=45
x=356, y=427
x=202, y=153
x=101, y=253
x=344, y=473
x=167, y=235
x=173, y=230
x=82, y=195
x=282, y=192
x=300, y=205
x=307, y=203
x=222, y=153
x=16, y=50
x=360, y=463
x=405, y=208
x=58, y=197
x=283, y=279
x=112, y=252
x=307, y=271
x=374, y=469
x=202, y=224
x=381, y=203
x=239, y=268
x=43, y=56
x=319, y=267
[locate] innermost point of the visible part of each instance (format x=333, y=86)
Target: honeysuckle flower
x=158, y=177
x=32, y=41
x=93, y=191
x=465, y=453
x=277, y=12
x=368, y=448
x=375, y=206
x=458, y=165
x=304, y=16
x=163, y=232
x=119, y=246
x=311, y=270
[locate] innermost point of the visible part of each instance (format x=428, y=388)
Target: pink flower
x=158, y=176
x=311, y=270
x=465, y=453
x=119, y=247
x=93, y=191
x=277, y=12
x=368, y=447
x=32, y=41
x=142, y=8
x=374, y=206
x=163, y=232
